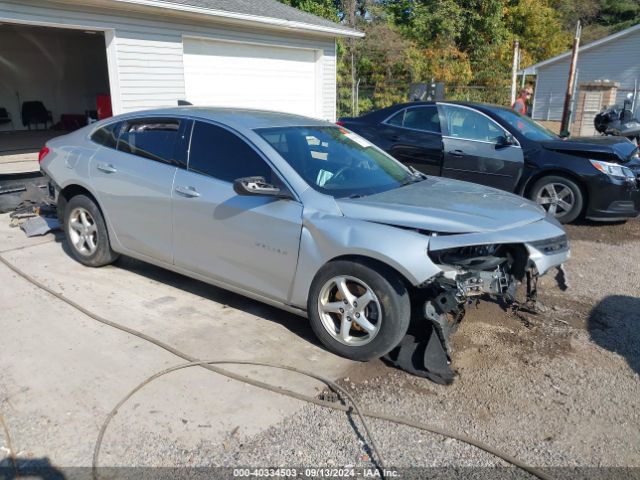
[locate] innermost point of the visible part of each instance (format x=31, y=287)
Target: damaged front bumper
x=474, y=266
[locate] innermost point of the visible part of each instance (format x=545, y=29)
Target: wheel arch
x=370, y=262
x=72, y=190
x=525, y=188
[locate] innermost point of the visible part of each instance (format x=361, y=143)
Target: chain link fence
x=360, y=99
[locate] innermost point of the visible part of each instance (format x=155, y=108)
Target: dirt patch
x=601, y=232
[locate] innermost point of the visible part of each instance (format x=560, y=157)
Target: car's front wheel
x=359, y=310
x=86, y=232
x=560, y=196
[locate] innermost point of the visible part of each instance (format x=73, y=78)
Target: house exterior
x=615, y=58
x=152, y=53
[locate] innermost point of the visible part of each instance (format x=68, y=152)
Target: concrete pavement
x=62, y=372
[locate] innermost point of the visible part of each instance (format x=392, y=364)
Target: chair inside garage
x=34, y=112
x=5, y=117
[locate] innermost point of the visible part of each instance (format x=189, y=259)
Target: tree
x=322, y=8
x=538, y=28
x=460, y=42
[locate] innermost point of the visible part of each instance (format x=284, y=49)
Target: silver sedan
x=297, y=213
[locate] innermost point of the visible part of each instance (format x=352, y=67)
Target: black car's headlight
x=613, y=169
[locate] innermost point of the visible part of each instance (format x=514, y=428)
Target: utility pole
x=566, y=111
x=514, y=71
x=350, y=7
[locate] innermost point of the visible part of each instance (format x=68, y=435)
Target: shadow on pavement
x=614, y=324
x=294, y=323
x=31, y=468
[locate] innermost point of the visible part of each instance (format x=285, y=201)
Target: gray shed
x=615, y=58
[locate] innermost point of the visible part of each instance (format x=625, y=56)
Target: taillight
x=43, y=153
x=340, y=123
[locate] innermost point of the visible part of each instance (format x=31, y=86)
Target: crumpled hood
x=445, y=206
x=620, y=147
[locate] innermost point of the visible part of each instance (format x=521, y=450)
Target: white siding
x=147, y=50
x=617, y=60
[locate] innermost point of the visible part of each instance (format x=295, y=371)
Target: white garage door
x=254, y=76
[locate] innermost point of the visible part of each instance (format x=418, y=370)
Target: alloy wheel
x=556, y=198
x=83, y=232
x=349, y=310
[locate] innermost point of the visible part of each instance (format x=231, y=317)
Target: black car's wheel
x=86, y=232
x=559, y=196
x=358, y=310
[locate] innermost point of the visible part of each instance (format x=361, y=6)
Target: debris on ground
x=39, y=226
x=15, y=188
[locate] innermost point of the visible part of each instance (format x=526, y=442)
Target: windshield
x=524, y=125
x=337, y=162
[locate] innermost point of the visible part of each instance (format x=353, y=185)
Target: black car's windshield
x=337, y=162
x=526, y=126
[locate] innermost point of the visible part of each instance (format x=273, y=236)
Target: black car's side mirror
x=257, y=186
x=506, y=140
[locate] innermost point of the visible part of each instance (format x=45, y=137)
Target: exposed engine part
x=496, y=283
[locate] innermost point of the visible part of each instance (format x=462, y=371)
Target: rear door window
x=107, y=136
x=397, y=119
x=423, y=118
x=222, y=154
x=152, y=138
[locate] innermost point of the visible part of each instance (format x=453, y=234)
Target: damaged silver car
x=301, y=214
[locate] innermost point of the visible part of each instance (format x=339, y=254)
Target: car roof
x=243, y=118
x=453, y=102
x=383, y=113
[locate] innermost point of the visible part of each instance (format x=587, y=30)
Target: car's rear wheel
x=560, y=196
x=359, y=310
x=86, y=232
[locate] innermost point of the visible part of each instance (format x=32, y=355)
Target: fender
x=325, y=237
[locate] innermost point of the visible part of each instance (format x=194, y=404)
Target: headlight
x=613, y=169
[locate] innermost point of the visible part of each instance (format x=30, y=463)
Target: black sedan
x=597, y=177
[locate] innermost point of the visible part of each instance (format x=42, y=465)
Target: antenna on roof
x=182, y=103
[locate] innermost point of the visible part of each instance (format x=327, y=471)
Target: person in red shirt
x=520, y=105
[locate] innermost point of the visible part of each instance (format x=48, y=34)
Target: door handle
x=394, y=138
x=187, y=191
x=106, y=168
x=456, y=153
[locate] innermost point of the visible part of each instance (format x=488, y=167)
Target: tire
x=568, y=202
x=86, y=232
x=387, y=310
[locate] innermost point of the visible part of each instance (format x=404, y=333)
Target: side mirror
x=506, y=140
x=256, y=186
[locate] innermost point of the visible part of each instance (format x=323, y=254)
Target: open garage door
x=52, y=81
x=253, y=76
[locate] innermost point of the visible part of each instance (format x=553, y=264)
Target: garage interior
x=51, y=81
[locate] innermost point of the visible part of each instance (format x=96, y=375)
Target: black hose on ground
x=195, y=362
